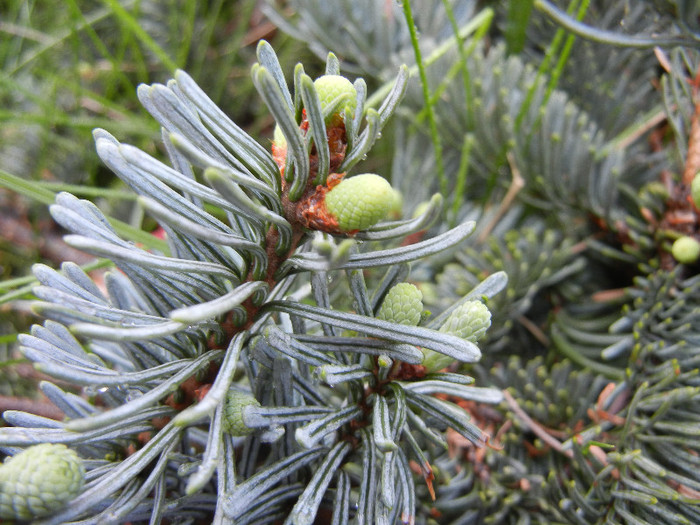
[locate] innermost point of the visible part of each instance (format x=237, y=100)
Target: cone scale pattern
x=360, y=201
x=236, y=401
x=469, y=321
x=403, y=304
x=330, y=87
x=39, y=481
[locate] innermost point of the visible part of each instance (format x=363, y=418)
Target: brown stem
x=535, y=427
x=517, y=184
x=692, y=162
x=274, y=261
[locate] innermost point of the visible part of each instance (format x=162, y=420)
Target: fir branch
x=611, y=38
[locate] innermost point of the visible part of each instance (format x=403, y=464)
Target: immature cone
x=278, y=138
x=330, y=87
x=686, y=250
x=469, y=321
x=359, y=202
x=403, y=304
x=695, y=190
x=236, y=401
x=39, y=481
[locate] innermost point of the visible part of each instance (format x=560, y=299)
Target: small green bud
x=359, y=202
x=695, y=190
x=330, y=87
x=469, y=321
x=39, y=481
x=686, y=250
x=278, y=137
x=236, y=401
x=384, y=361
x=403, y=304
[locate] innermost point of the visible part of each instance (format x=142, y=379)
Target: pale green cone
x=686, y=250
x=330, y=87
x=39, y=481
x=236, y=401
x=359, y=202
x=384, y=361
x=695, y=190
x=278, y=138
x=469, y=321
x=403, y=304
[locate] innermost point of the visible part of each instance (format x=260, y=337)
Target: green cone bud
x=686, y=250
x=403, y=304
x=39, y=481
x=469, y=321
x=695, y=190
x=236, y=401
x=384, y=361
x=330, y=87
x=278, y=137
x=360, y=201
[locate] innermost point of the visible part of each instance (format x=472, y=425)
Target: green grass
x=69, y=67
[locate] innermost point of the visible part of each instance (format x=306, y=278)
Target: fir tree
x=503, y=328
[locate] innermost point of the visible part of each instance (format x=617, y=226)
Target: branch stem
x=535, y=427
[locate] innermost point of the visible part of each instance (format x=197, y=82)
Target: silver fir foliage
x=588, y=379
x=573, y=173
x=241, y=297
